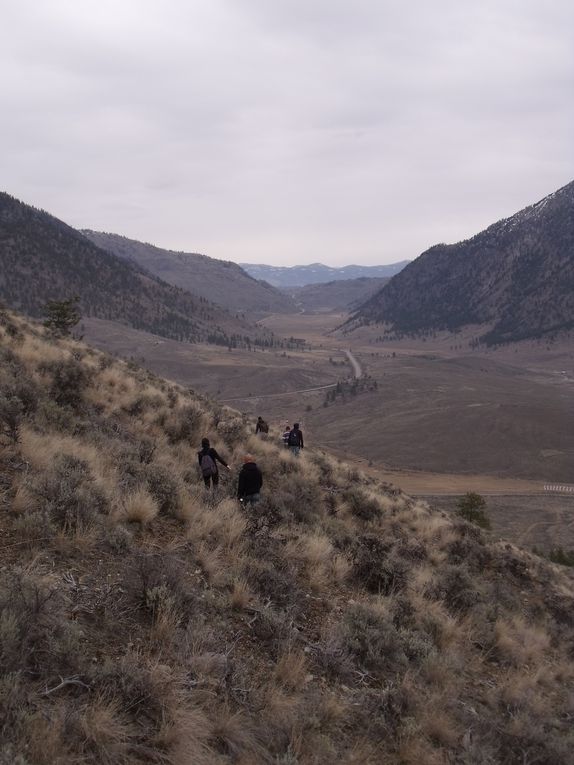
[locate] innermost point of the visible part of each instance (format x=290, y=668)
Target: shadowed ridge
x=516, y=279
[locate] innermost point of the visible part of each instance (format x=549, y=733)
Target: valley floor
x=434, y=417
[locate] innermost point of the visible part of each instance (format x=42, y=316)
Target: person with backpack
x=295, y=439
x=285, y=436
x=250, y=481
x=261, y=426
x=208, y=459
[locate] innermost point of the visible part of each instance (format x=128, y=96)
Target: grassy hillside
x=219, y=281
x=42, y=258
x=340, y=295
x=143, y=620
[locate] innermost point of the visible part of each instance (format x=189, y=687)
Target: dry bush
x=35, y=635
x=104, y=733
x=519, y=643
x=164, y=487
x=68, y=494
x=234, y=736
x=312, y=554
x=364, y=643
x=456, y=589
x=362, y=504
x=184, y=424
x=139, y=507
x=376, y=568
x=68, y=381
x=241, y=595
x=291, y=671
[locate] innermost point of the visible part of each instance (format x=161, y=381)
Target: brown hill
x=340, y=295
x=515, y=279
x=145, y=620
x=219, y=281
x=44, y=259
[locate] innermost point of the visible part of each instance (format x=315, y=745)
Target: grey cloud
x=287, y=131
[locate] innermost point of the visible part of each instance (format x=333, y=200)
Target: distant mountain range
x=515, y=279
x=317, y=273
x=219, y=281
x=343, y=295
x=42, y=258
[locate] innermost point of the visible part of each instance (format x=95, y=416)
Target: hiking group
x=292, y=437
x=250, y=479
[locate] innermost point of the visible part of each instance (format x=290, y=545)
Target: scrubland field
x=144, y=620
x=442, y=419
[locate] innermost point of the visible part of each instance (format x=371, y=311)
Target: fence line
x=558, y=487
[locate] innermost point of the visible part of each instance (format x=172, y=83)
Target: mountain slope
x=219, y=281
x=316, y=273
x=516, y=279
x=339, y=295
x=145, y=621
x=44, y=259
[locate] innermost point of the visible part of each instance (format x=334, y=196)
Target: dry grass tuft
x=139, y=507
x=291, y=671
x=241, y=595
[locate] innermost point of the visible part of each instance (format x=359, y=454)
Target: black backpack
x=208, y=466
x=263, y=427
x=293, y=439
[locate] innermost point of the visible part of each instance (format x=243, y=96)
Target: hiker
x=285, y=436
x=261, y=426
x=250, y=481
x=295, y=439
x=208, y=459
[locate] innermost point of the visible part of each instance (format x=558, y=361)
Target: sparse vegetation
x=143, y=620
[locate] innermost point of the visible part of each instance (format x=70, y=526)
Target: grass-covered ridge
x=143, y=621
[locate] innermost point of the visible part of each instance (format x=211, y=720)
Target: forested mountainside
x=219, y=281
x=43, y=259
x=317, y=273
x=516, y=279
x=144, y=620
x=339, y=295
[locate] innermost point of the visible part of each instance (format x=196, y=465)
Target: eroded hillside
x=143, y=620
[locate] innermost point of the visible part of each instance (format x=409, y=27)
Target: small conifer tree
x=472, y=508
x=62, y=316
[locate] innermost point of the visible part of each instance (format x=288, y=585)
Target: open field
x=543, y=521
x=437, y=410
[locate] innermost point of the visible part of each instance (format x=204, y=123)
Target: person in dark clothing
x=295, y=439
x=261, y=426
x=250, y=481
x=208, y=459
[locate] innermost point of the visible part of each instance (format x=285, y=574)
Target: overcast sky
x=286, y=131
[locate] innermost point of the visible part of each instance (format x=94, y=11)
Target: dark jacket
x=297, y=435
x=250, y=480
x=213, y=454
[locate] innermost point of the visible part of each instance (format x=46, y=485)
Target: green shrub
x=561, y=556
x=471, y=507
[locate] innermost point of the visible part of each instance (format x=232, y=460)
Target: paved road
x=357, y=372
x=276, y=395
